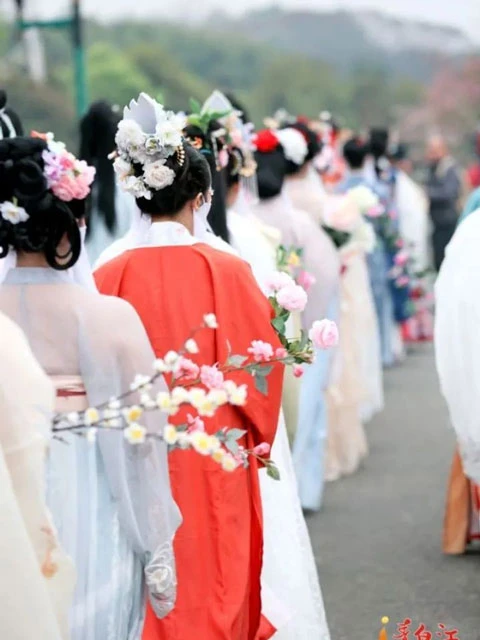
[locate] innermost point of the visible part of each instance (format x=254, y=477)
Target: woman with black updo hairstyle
x=91, y=347
x=173, y=280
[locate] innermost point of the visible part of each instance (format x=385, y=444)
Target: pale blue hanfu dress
x=110, y=501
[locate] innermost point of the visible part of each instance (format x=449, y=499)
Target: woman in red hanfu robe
x=172, y=282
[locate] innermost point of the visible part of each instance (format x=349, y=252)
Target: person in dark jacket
x=443, y=190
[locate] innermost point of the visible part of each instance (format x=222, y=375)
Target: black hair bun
x=22, y=181
x=271, y=172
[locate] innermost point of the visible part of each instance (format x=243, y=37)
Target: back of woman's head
x=295, y=149
x=378, y=142
x=192, y=178
x=42, y=195
x=355, y=152
x=10, y=123
x=271, y=164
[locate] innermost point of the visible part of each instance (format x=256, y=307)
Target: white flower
x=135, y=434
x=294, y=145
x=205, y=406
x=183, y=440
x=112, y=418
x=146, y=401
x=197, y=396
x=13, y=213
x=129, y=134
x=92, y=435
x=91, y=416
x=180, y=395
x=133, y=413
x=122, y=168
x=73, y=417
x=238, y=396
x=166, y=404
x=218, y=455
x=170, y=434
x=171, y=359
x=218, y=396
x=157, y=175
x=135, y=187
x=141, y=382
x=160, y=366
x=229, y=463
x=210, y=320
x=191, y=346
x=364, y=198
x=114, y=404
x=203, y=443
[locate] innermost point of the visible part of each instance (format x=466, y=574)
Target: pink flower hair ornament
x=67, y=177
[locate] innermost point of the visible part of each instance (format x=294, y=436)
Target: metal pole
x=81, y=97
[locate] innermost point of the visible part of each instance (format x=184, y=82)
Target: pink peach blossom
x=306, y=280
x=297, y=370
x=67, y=161
x=261, y=351
x=402, y=281
x=195, y=424
x=211, y=377
x=281, y=353
x=324, y=334
x=187, y=369
x=292, y=298
x=262, y=449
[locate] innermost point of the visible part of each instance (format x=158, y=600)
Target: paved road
x=377, y=539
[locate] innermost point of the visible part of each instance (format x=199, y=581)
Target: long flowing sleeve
x=138, y=474
x=37, y=578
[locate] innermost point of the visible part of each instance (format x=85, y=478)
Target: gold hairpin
x=180, y=151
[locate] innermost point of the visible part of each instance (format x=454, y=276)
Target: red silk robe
x=219, y=545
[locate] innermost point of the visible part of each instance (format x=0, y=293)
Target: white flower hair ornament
x=294, y=145
x=146, y=138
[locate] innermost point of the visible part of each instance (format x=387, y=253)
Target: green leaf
x=195, y=106
x=279, y=325
x=232, y=446
x=236, y=361
x=264, y=370
x=261, y=384
x=273, y=472
x=235, y=434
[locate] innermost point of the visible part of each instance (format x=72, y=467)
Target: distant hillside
x=350, y=40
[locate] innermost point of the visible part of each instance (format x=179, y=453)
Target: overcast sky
x=462, y=13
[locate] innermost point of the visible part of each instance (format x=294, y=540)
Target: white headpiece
x=294, y=145
x=147, y=137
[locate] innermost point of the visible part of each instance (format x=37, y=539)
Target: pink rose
x=261, y=351
x=278, y=280
x=297, y=370
x=81, y=187
x=292, y=298
x=306, y=280
x=401, y=258
x=399, y=243
x=195, y=424
x=211, y=377
x=324, y=334
x=281, y=353
x=262, y=449
x=65, y=189
x=187, y=369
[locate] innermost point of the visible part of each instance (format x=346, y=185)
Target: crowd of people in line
x=269, y=276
